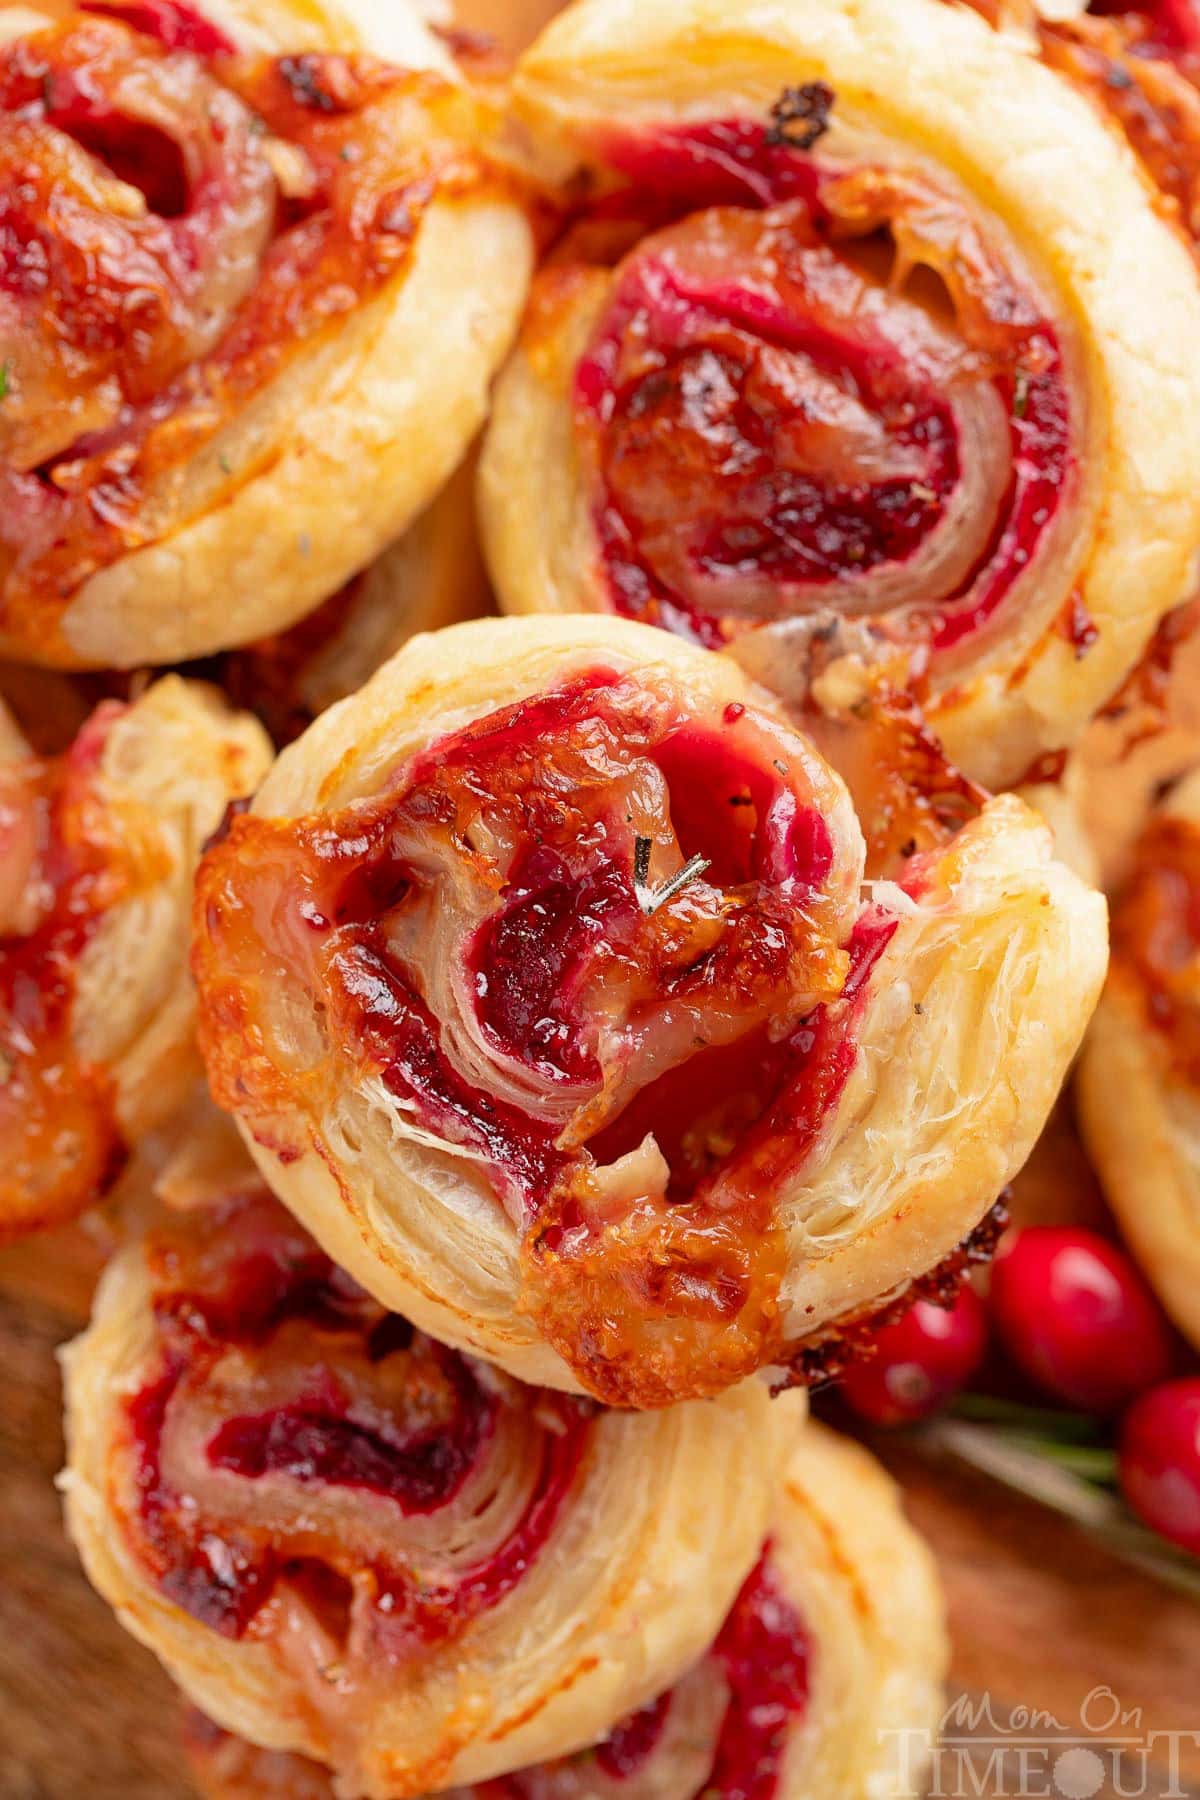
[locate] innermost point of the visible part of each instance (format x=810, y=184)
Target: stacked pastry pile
x=624, y=1004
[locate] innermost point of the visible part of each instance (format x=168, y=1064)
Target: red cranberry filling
x=531, y=959
x=757, y=418
x=762, y=1653
x=630, y=1744
x=1174, y=25
x=175, y=26
x=402, y=1037
x=307, y=1443
x=745, y=822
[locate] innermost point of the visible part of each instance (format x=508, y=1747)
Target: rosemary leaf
x=650, y=899
x=1091, y=1462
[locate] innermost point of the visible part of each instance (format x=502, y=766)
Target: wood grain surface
x=1040, y=1617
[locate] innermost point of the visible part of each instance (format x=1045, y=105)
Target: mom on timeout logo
x=985, y=1753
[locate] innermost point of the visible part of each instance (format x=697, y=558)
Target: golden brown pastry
x=543, y=983
x=1138, y=1086
x=98, y=848
x=347, y=1540
x=869, y=341
x=825, y=1679
x=256, y=273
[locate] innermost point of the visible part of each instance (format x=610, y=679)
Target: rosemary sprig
x=1091, y=1462
x=1073, y=1479
x=650, y=899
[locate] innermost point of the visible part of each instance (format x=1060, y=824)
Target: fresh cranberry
x=920, y=1362
x=1076, y=1316
x=1159, y=1460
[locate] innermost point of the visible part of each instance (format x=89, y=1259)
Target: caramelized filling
x=1156, y=935
x=63, y=864
x=171, y=24
x=1141, y=67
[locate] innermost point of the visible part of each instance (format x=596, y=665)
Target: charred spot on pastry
x=819, y=1363
x=800, y=117
x=233, y=810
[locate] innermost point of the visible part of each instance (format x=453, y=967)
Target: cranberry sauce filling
x=701, y=1113
x=818, y=1060
x=762, y=1654
x=531, y=960
x=762, y=1660
x=310, y=1444
x=174, y=26
x=118, y=288
x=764, y=1650
x=630, y=1744
x=729, y=809
x=685, y=1299
x=138, y=336
x=377, y=1011
x=1156, y=935
x=759, y=416
x=587, y=998
x=1172, y=26
x=235, y=1281
x=62, y=1141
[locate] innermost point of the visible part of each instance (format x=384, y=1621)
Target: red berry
x=920, y=1362
x=1077, y=1317
x=1159, y=1460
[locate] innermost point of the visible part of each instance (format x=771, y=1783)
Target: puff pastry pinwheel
x=869, y=341
x=256, y=271
x=98, y=847
x=823, y=1680
x=1138, y=1086
x=345, y=1539
x=541, y=981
